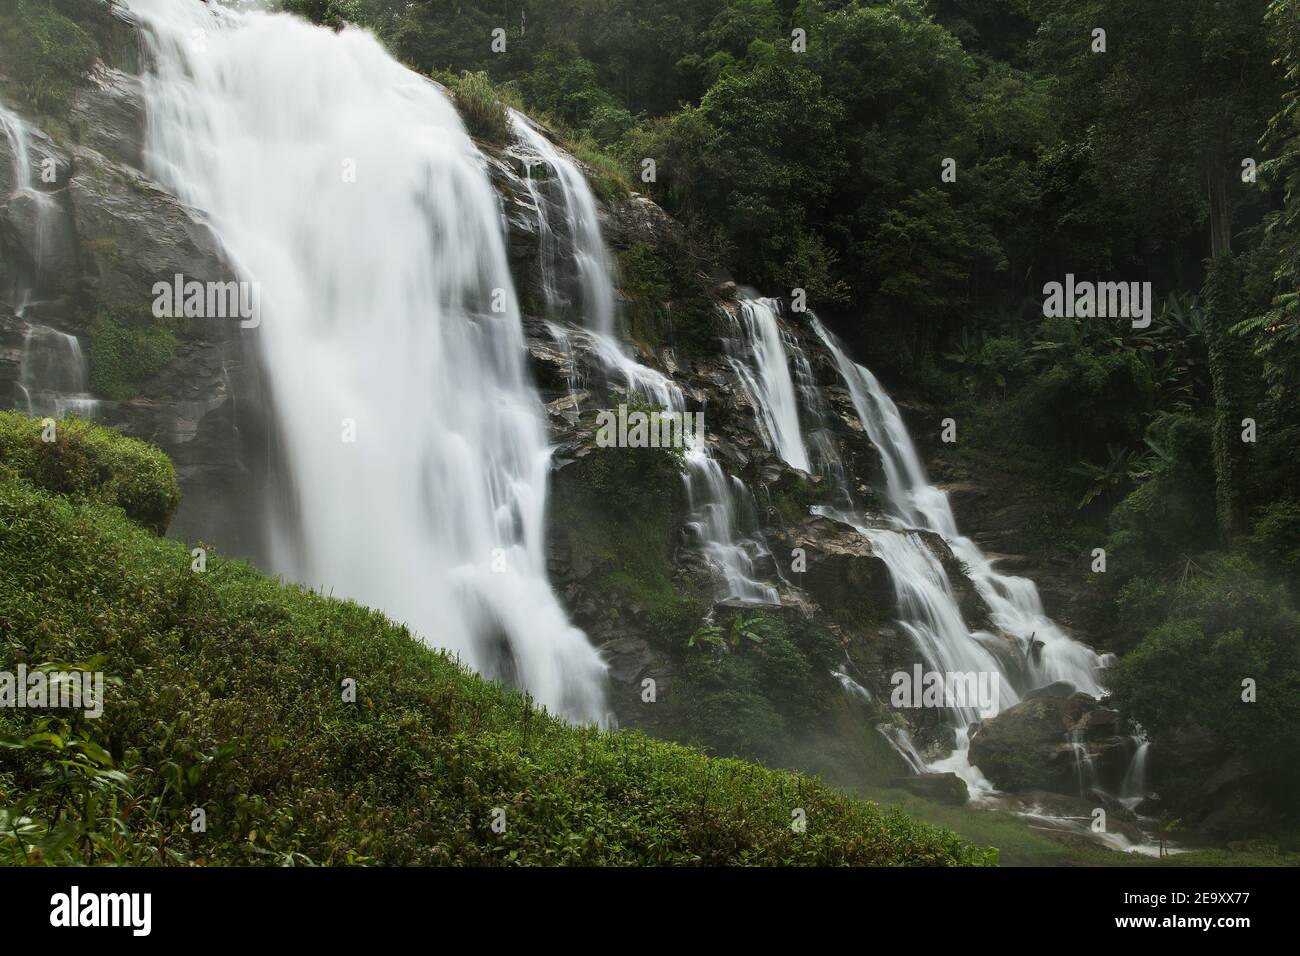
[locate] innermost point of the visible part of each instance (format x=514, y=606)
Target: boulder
x=940, y=787
x=843, y=573
x=1047, y=741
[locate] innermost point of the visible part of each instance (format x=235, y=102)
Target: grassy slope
x=230, y=700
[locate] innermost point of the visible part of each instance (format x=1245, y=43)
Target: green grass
x=230, y=700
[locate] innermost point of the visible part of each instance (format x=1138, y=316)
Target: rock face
x=1054, y=739
x=92, y=239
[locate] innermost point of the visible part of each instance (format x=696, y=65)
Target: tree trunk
x=1228, y=360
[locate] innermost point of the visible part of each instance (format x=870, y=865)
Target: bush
x=92, y=462
x=1219, y=623
x=481, y=107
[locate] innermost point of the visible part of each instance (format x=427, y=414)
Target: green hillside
x=227, y=694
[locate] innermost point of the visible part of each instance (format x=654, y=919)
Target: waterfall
x=758, y=358
x=1133, y=789
x=583, y=225
x=44, y=206
x=927, y=607
x=723, y=518
x=15, y=130
x=414, y=448
x=1014, y=604
x=928, y=610
x=52, y=374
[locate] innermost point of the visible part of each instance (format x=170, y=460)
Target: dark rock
x=1056, y=689
x=133, y=235
x=940, y=787
x=1029, y=746
x=107, y=115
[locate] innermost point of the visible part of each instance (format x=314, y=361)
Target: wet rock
x=133, y=234
x=107, y=115
x=1030, y=745
x=842, y=573
x=940, y=787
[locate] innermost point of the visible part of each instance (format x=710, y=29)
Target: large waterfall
x=416, y=454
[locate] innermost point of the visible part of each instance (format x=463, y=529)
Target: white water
x=927, y=606
x=376, y=304
x=723, y=515
x=587, y=246
x=53, y=373
x=759, y=361
x=1133, y=788
x=16, y=132
x=1016, y=609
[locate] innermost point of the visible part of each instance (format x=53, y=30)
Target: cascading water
x=1014, y=604
x=1133, y=788
x=355, y=198
x=758, y=358
x=53, y=373
x=929, y=610
x=723, y=514
x=583, y=226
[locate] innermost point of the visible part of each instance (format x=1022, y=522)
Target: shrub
x=229, y=699
x=481, y=107
x=88, y=461
x=1208, y=629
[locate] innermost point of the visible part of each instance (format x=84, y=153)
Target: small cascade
x=1084, y=770
x=722, y=507
x=1133, y=788
x=904, y=746
x=852, y=687
x=53, y=376
x=724, y=520
x=16, y=132
x=758, y=357
x=586, y=245
x=43, y=205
